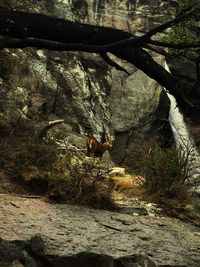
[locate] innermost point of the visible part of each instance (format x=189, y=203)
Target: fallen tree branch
x=112, y=63
x=156, y=49
x=43, y=132
x=110, y=227
x=174, y=45
x=15, y=17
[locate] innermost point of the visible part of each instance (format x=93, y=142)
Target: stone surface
x=68, y=230
x=28, y=258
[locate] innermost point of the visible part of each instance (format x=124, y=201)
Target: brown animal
x=94, y=147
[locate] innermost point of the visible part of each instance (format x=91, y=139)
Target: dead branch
x=112, y=63
x=175, y=45
x=43, y=132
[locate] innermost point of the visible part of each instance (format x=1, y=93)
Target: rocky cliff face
x=92, y=97
x=128, y=15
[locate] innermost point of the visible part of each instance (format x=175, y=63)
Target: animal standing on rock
x=94, y=147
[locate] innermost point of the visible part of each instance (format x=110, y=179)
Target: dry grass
x=129, y=185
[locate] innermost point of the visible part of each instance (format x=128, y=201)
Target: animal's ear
x=107, y=137
x=110, y=138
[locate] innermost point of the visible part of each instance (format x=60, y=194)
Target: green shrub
x=36, y=152
x=5, y=125
x=88, y=182
x=167, y=172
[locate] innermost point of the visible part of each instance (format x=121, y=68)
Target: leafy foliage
x=23, y=149
x=88, y=182
x=36, y=153
x=167, y=173
x=185, y=32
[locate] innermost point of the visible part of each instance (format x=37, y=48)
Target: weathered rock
x=69, y=230
x=37, y=245
x=140, y=112
x=135, y=261
x=15, y=254
x=83, y=259
x=184, y=69
x=91, y=259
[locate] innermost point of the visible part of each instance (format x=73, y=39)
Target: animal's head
x=97, y=148
x=109, y=141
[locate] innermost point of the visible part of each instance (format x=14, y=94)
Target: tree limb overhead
x=22, y=29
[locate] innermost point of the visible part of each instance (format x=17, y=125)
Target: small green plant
x=184, y=32
x=167, y=173
x=88, y=182
x=5, y=125
x=36, y=152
